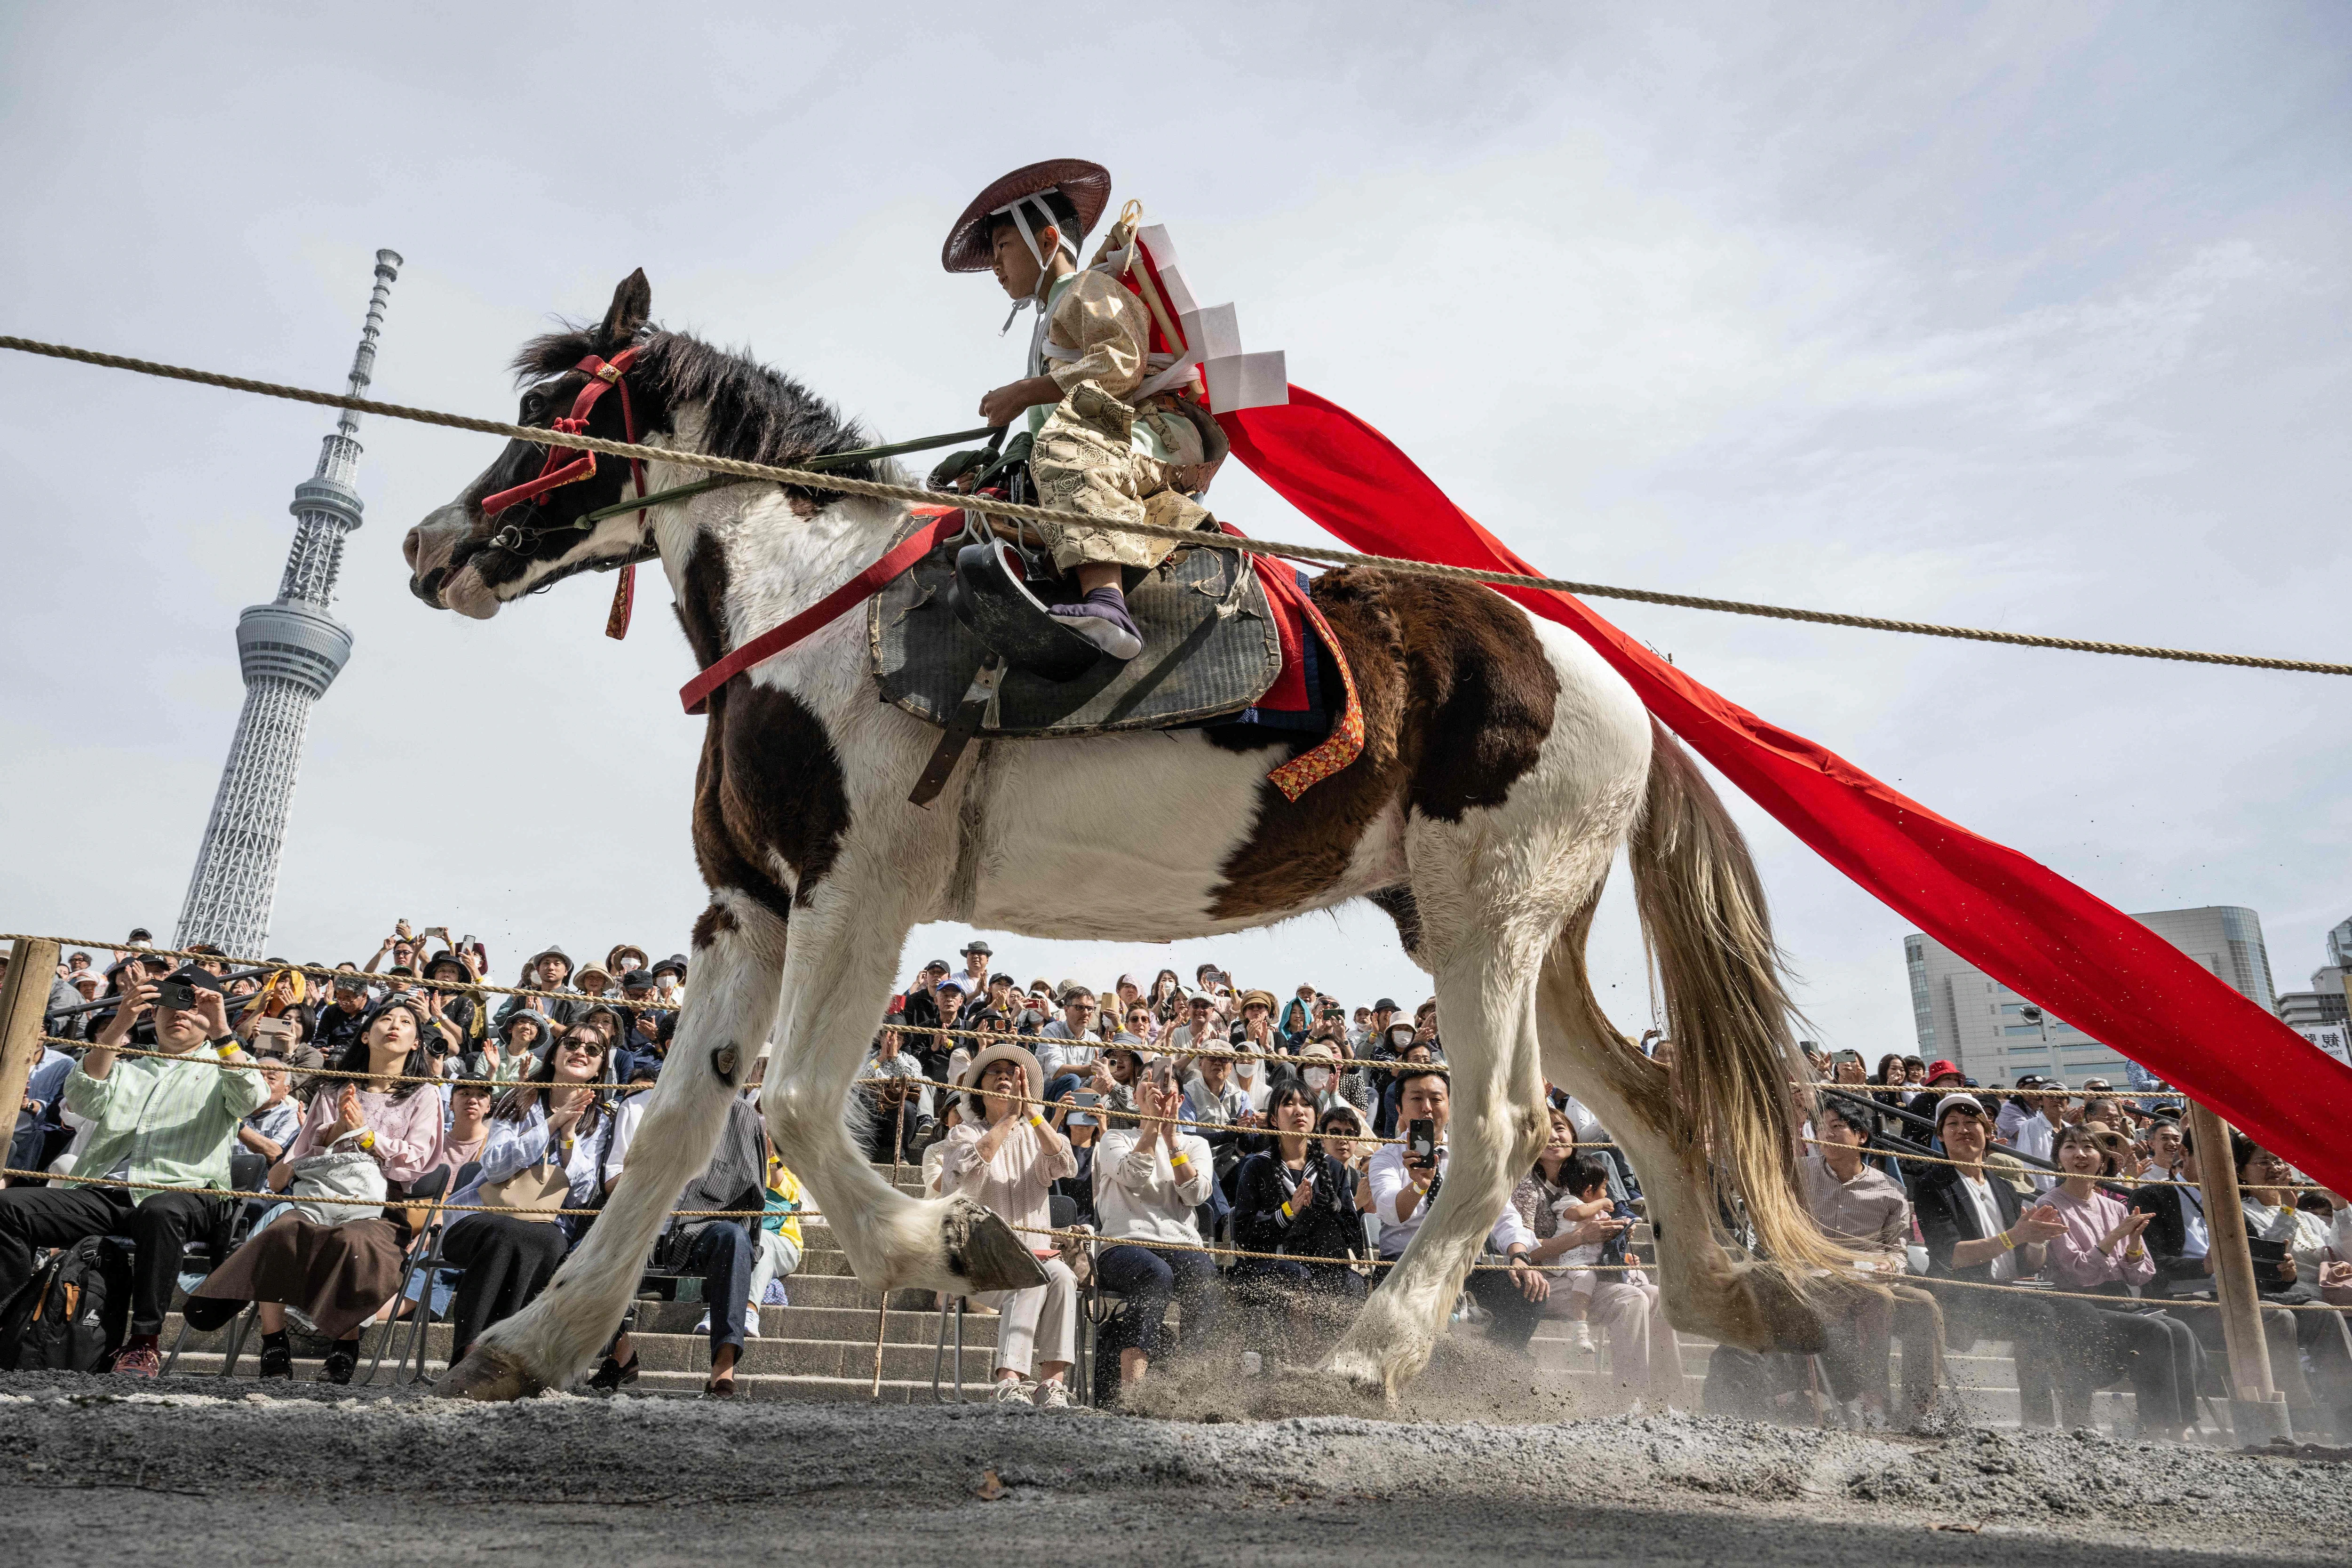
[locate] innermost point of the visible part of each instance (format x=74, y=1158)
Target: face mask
x=1317, y=1077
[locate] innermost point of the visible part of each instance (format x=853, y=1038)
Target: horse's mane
x=750, y=412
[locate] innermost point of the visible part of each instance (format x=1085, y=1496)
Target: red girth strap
x=696, y=694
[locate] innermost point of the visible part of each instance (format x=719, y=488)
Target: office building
x=1961, y=1013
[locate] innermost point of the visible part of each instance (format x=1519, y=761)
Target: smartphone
x=272, y=1029
x=177, y=995
x=1421, y=1141
x=1087, y=1117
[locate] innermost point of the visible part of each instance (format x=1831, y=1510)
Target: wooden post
x=32, y=964
x=2257, y=1408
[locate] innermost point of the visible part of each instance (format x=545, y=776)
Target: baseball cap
x=1940, y=1069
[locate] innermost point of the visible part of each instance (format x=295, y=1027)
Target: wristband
x=1036, y=1119
x=1180, y=1158
x=367, y=1138
x=1285, y=1210
x=2008, y=1242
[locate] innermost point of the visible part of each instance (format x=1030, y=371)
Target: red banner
x=2082, y=958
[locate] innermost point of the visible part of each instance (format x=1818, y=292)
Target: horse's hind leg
x=739, y=956
x=845, y=946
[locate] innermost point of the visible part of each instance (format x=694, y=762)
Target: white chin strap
x=1018, y=212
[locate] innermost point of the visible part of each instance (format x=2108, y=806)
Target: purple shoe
x=1102, y=619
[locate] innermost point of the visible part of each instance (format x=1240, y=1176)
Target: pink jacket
x=407, y=1131
x=2075, y=1261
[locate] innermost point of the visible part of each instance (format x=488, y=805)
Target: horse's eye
x=534, y=407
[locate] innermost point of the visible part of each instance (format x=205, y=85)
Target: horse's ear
x=633, y=303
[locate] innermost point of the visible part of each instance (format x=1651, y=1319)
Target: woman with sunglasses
x=551, y=1126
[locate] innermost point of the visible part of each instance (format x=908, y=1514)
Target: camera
x=177, y=995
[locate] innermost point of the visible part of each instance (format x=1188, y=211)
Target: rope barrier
x=815, y=479
x=1082, y=1235
x=385, y=1202
x=443, y=988
x=1993, y=1150
x=1908, y=1089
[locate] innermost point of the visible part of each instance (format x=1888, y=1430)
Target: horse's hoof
x=1352, y=1374
x=984, y=1253
x=1791, y=1318
x=487, y=1373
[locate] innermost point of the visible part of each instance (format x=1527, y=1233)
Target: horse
x=1504, y=765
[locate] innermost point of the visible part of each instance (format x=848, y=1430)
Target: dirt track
x=197, y=1472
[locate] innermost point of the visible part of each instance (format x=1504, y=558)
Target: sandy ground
x=196, y=1471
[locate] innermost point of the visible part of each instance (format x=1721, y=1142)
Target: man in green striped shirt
x=172, y=1122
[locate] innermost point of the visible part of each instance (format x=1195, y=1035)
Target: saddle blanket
x=1213, y=648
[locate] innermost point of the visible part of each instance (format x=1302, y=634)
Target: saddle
x=1210, y=649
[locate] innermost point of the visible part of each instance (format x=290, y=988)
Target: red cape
x=2082, y=958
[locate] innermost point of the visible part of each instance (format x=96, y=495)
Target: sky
x=2019, y=316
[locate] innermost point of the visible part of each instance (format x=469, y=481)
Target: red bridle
x=556, y=473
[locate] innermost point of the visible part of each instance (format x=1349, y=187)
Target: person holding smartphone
x=169, y=1119
x=1405, y=1180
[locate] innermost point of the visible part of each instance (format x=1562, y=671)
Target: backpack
x=73, y=1315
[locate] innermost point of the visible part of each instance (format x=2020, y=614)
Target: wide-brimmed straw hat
x=1001, y=1051
x=1087, y=184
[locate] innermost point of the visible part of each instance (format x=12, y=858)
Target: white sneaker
x=1581, y=1338
x=1015, y=1391
x=703, y=1327
x=752, y=1321
x=1052, y=1394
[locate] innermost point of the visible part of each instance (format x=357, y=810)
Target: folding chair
x=424, y=1260
x=246, y=1172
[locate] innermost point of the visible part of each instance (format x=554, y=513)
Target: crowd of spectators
x=1231, y=1167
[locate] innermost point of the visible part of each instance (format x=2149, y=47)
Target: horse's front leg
x=846, y=945
x=739, y=960
x=1495, y=1125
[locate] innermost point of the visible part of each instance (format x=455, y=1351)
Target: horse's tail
x=1705, y=922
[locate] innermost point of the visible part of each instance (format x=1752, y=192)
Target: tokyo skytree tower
x=291, y=651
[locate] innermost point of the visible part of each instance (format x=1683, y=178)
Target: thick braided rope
x=72, y=1181
x=1259, y=1128
x=1087, y=1235
x=1995, y=1163
x=808, y=478
x=614, y=1000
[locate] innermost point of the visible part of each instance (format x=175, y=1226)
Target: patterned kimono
x=1095, y=452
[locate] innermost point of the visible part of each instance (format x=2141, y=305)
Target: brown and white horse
x=1504, y=766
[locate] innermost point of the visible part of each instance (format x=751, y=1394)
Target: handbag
x=535, y=1192
x=340, y=1172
